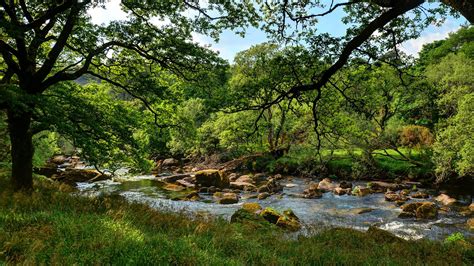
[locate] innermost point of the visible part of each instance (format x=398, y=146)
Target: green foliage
x=453, y=151
x=46, y=145
x=454, y=237
x=107, y=130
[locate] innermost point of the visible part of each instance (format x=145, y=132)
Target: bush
x=413, y=136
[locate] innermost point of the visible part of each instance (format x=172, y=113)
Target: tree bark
x=21, y=150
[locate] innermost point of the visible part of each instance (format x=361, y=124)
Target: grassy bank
x=51, y=226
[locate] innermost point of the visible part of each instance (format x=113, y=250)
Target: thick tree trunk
x=22, y=150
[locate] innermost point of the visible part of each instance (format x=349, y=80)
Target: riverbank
x=53, y=226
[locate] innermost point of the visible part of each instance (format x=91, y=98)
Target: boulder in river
x=342, y=191
x=232, y=177
x=420, y=195
x=381, y=186
x=226, y=198
x=312, y=192
x=272, y=186
x=251, y=206
x=345, y=185
x=173, y=178
x=71, y=176
x=170, y=162
x=470, y=224
x=360, y=191
x=286, y=220
x=395, y=197
x=245, y=179
x=211, y=177
x=420, y=210
x=59, y=159
x=326, y=185
x=242, y=186
x=445, y=199
x=263, y=195
x=173, y=187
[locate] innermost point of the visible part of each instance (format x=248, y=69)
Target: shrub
x=416, y=136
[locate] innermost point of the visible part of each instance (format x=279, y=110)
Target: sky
x=230, y=43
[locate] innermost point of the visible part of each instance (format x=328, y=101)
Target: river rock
x=420, y=195
x=361, y=191
x=211, y=177
x=252, y=213
x=245, y=179
x=72, y=176
x=232, y=177
x=251, y=217
x=242, y=186
x=288, y=220
x=251, y=207
x=185, y=183
x=470, y=224
x=193, y=196
x=170, y=162
x=226, y=198
x=259, y=177
x=312, y=192
x=383, y=236
x=445, y=199
x=420, y=210
x=428, y=210
x=173, y=178
x=288, y=223
x=326, y=185
x=381, y=187
x=342, y=191
x=59, y=159
x=263, y=195
x=278, y=177
x=345, y=185
x=395, y=197
x=173, y=187
x=272, y=186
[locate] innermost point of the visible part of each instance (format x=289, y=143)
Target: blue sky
x=230, y=43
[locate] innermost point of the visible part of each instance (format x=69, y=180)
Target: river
x=329, y=211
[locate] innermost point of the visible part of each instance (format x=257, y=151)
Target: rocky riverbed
x=299, y=204
x=412, y=215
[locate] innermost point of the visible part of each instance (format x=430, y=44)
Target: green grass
x=51, y=226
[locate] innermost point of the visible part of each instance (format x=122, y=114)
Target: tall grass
x=51, y=226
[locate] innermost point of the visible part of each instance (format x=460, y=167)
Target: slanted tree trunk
x=21, y=150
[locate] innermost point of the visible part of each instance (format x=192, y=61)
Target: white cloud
x=433, y=33
x=113, y=11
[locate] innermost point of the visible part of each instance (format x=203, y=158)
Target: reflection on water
x=330, y=210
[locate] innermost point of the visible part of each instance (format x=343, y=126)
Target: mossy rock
x=271, y=215
x=382, y=236
x=251, y=206
x=211, y=177
x=244, y=216
x=427, y=210
x=288, y=223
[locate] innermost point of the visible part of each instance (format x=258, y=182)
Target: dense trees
x=44, y=45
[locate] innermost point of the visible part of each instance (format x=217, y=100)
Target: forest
x=130, y=142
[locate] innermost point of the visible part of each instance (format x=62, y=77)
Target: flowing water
x=330, y=210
